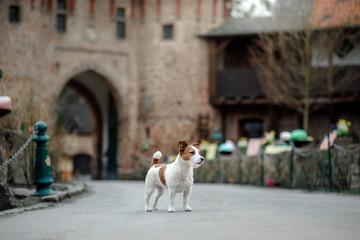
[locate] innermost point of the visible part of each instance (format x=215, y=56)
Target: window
x=61, y=5
x=61, y=16
x=168, y=31
x=120, y=13
x=14, y=14
x=120, y=30
x=120, y=23
x=61, y=23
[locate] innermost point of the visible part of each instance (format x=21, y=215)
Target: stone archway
x=101, y=103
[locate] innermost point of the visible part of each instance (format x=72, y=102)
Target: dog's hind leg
x=159, y=193
x=148, y=193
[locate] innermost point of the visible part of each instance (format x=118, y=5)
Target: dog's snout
x=202, y=159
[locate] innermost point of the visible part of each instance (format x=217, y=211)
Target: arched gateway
x=87, y=112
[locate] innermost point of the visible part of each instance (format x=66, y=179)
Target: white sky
x=258, y=8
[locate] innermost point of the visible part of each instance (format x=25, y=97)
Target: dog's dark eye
x=192, y=152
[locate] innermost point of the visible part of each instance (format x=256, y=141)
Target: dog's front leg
x=172, y=194
x=187, y=193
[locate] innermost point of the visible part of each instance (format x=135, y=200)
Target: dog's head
x=190, y=154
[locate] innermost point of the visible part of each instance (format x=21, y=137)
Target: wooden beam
x=212, y=67
x=224, y=44
x=351, y=98
x=330, y=71
x=222, y=101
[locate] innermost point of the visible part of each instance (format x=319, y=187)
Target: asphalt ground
x=115, y=210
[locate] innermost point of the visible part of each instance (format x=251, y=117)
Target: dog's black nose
x=202, y=159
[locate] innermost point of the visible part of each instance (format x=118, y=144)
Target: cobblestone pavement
x=114, y=210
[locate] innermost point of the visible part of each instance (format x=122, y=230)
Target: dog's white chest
x=181, y=187
x=184, y=182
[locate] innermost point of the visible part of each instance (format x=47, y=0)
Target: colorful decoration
x=269, y=137
x=285, y=136
x=227, y=147
x=270, y=182
x=242, y=143
x=299, y=135
x=343, y=128
x=5, y=105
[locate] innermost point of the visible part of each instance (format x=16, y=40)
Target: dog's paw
x=148, y=210
x=187, y=208
x=171, y=210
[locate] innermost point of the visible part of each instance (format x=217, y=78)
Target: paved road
x=114, y=210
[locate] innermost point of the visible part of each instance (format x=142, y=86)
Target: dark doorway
x=92, y=92
x=81, y=164
x=112, y=150
x=251, y=128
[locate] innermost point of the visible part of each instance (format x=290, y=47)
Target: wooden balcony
x=237, y=86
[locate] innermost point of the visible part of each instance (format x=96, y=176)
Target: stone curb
x=46, y=201
x=61, y=195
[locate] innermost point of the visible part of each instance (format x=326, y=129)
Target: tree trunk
x=306, y=111
x=306, y=116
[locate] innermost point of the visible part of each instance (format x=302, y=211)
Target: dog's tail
x=156, y=158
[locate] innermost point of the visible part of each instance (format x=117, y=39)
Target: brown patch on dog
x=182, y=146
x=154, y=161
x=161, y=172
x=187, y=153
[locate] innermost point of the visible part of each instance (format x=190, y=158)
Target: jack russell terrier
x=177, y=177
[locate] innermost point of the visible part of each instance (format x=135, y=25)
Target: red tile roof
x=335, y=13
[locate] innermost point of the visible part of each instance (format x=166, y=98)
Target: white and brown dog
x=177, y=177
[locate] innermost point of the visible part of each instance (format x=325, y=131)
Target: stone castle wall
x=174, y=73
x=157, y=84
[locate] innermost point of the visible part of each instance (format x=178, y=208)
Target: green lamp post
x=43, y=178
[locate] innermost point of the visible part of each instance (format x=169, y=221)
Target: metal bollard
x=291, y=170
x=218, y=167
x=239, y=180
x=43, y=177
x=330, y=167
x=262, y=149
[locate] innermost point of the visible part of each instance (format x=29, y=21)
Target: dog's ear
x=182, y=146
x=197, y=145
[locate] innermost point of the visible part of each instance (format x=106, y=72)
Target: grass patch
x=39, y=207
